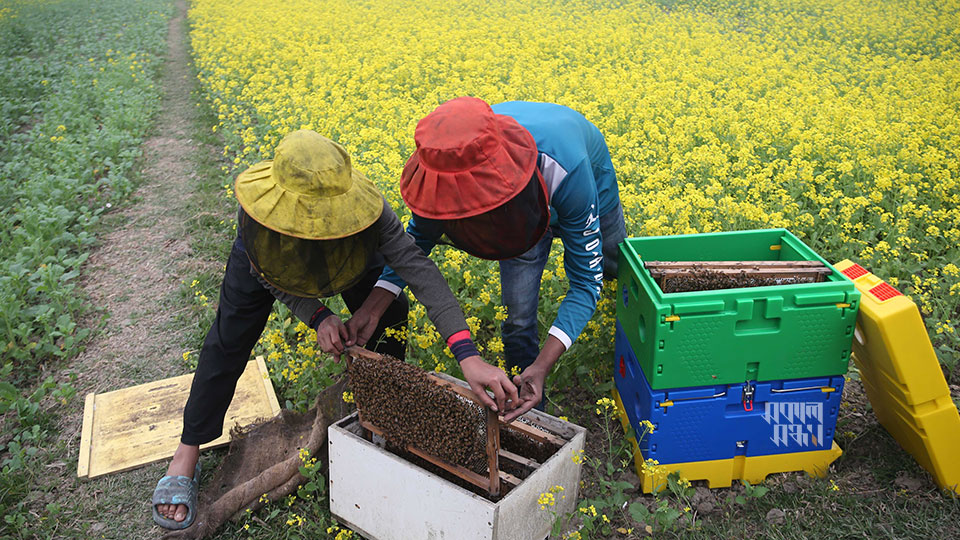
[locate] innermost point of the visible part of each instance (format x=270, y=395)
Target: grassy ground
x=77, y=95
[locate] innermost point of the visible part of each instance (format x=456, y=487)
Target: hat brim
x=302, y=216
x=438, y=194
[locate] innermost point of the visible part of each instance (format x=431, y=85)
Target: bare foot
x=184, y=463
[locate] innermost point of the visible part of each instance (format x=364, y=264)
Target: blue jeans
x=520, y=289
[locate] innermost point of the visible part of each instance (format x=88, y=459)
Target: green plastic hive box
x=734, y=335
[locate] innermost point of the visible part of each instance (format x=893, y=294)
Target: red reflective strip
x=623, y=367
x=884, y=291
x=855, y=271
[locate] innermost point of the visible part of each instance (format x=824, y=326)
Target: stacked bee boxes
x=735, y=383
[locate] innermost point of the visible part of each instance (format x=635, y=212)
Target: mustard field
x=836, y=119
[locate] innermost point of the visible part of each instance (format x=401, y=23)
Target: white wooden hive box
x=382, y=496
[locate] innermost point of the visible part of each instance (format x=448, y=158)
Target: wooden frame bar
x=734, y=264
x=815, y=271
x=83, y=463
x=518, y=459
x=784, y=271
x=815, y=274
x=534, y=433
x=493, y=452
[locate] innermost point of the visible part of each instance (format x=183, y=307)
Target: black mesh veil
x=508, y=230
x=308, y=268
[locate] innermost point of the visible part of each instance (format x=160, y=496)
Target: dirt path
x=133, y=277
x=139, y=265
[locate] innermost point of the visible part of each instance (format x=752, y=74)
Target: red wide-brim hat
x=468, y=161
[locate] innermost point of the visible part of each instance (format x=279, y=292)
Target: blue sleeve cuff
x=463, y=347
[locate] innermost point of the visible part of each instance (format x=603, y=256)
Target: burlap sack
x=265, y=459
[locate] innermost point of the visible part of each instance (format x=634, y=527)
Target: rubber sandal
x=177, y=490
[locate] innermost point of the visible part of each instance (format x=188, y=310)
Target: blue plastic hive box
x=704, y=423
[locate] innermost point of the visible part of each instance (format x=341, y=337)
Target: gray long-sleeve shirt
x=422, y=276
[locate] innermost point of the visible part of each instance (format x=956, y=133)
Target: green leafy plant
x=75, y=105
x=592, y=516
x=74, y=108
x=750, y=492
x=670, y=505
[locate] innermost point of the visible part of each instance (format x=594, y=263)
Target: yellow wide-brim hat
x=309, y=190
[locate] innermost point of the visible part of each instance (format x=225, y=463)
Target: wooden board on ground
x=127, y=428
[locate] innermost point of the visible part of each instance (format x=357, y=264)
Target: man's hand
x=360, y=327
x=481, y=376
x=364, y=322
x=331, y=335
x=532, y=379
x=530, y=383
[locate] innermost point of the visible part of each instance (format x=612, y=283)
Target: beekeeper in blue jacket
x=500, y=183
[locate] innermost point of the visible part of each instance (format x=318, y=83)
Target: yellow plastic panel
x=902, y=376
x=721, y=473
x=891, y=340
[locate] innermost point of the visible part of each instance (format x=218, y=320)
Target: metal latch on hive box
x=748, y=392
